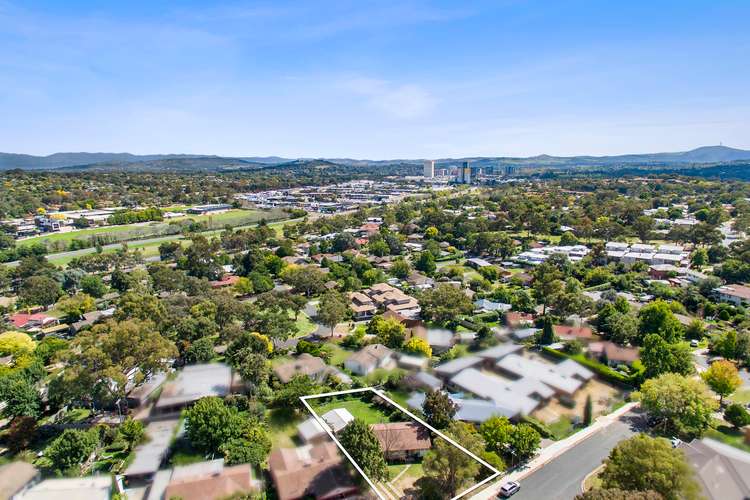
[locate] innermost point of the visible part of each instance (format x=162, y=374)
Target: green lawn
x=338, y=354
x=730, y=436
x=184, y=454
x=368, y=412
x=562, y=428
x=304, y=325
x=741, y=396
x=236, y=217
x=283, y=422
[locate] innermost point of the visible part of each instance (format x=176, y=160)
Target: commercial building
x=429, y=169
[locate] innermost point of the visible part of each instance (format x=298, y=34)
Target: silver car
x=509, y=489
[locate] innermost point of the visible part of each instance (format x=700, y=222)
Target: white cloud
x=404, y=101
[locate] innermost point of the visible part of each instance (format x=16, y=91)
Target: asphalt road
x=562, y=477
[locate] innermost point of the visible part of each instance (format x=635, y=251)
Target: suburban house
x=193, y=383
x=368, y=359
x=209, y=480
x=389, y=298
x=362, y=306
x=486, y=305
x=515, y=319
x=226, y=281
x=26, y=321
x=733, y=294
x=422, y=381
x=564, y=378
x=722, y=471
x=149, y=456
x=74, y=488
x=402, y=441
x=17, y=477
x=304, y=364
x=612, y=353
x=565, y=332
x=310, y=471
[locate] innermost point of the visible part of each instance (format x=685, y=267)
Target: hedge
x=600, y=369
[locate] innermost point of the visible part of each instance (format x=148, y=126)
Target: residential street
x=561, y=478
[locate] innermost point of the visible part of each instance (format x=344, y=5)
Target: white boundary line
x=322, y=423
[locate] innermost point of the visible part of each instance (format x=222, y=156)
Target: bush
x=736, y=415
x=538, y=426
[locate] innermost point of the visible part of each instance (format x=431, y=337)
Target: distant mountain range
x=186, y=163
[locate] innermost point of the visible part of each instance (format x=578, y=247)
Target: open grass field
x=235, y=217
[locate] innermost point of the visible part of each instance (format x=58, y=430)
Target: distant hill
x=178, y=162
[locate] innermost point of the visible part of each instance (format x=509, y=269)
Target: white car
x=694, y=343
x=509, y=489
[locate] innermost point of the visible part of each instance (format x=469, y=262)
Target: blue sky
x=386, y=79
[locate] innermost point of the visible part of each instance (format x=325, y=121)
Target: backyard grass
x=359, y=408
x=184, y=454
x=338, y=354
x=304, y=325
x=282, y=423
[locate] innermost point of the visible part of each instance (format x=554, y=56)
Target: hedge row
x=600, y=369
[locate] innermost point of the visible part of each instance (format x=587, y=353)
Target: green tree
x=438, y=409
x=723, y=378
x=300, y=385
x=308, y=280
x=363, y=446
x=496, y=432
x=400, y=269
x=93, y=285
x=21, y=398
x=682, y=405
x=524, y=442
x=391, y=332
x=333, y=309
x=448, y=468
x=210, y=423
x=643, y=463
x=132, y=432
x=657, y=317
x=547, y=284
x=425, y=263
x=445, y=303
x=74, y=307
x=100, y=359
x=547, y=336
x=39, y=291
x=252, y=447
x=659, y=357
x=12, y=343
x=200, y=351
x=71, y=448
x=588, y=411
x=699, y=258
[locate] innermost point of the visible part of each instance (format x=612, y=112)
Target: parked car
x=509, y=489
x=676, y=442
x=694, y=343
